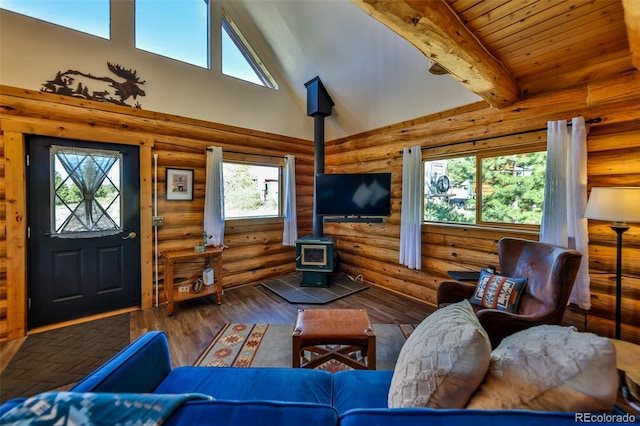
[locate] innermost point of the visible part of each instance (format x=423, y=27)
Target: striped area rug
x=269, y=345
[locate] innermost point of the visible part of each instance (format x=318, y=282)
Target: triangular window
x=239, y=60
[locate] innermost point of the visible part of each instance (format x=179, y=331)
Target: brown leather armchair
x=551, y=272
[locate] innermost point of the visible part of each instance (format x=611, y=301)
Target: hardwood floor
x=195, y=322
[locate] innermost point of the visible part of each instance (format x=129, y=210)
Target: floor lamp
x=618, y=205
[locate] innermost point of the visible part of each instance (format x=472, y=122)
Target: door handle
x=131, y=235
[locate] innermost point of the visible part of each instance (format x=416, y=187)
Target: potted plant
x=201, y=247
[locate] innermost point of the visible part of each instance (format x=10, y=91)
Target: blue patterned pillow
x=498, y=292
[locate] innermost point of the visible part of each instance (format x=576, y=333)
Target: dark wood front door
x=84, y=222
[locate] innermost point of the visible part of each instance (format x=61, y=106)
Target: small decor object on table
x=201, y=247
x=179, y=183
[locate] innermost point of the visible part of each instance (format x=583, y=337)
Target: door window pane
x=86, y=191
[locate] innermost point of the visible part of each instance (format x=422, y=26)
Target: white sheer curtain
x=411, y=213
x=290, y=233
x=565, y=198
x=214, y=197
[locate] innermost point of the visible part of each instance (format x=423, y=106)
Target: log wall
x=613, y=160
x=255, y=251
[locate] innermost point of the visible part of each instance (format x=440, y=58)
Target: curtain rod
x=245, y=153
x=569, y=123
x=590, y=121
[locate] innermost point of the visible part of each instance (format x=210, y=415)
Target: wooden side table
x=472, y=276
x=172, y=291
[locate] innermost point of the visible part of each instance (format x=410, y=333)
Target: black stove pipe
x=319, y=105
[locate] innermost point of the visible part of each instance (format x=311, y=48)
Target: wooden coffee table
x=334, y=334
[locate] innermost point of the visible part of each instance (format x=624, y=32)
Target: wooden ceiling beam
x=632, y=21
x=433, y=28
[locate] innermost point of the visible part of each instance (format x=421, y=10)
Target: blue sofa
x=274, y=396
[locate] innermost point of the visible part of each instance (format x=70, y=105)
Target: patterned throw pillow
x=498, y=292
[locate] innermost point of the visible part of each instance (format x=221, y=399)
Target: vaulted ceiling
x=374, y=76
x=501, y=51
x=382, y=62
x=504, y=50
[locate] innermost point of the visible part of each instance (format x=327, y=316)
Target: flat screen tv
x=353, y=194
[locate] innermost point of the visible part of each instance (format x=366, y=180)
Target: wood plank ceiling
x=506, y=50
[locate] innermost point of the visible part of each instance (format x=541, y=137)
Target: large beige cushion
x=550, y=368
x=443, y=361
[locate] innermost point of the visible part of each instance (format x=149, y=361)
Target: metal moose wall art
x=103, y=89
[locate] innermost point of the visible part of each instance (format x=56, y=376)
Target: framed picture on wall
x=179, y=184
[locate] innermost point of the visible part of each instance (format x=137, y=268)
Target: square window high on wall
x=91, y=17
x=176, y=29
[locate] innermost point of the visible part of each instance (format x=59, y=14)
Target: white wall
x=32, y=52
x=375, y=77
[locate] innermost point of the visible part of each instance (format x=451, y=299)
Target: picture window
x=510, y=189
x=252, y=190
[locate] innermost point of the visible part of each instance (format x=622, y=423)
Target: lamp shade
x=615, y=204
